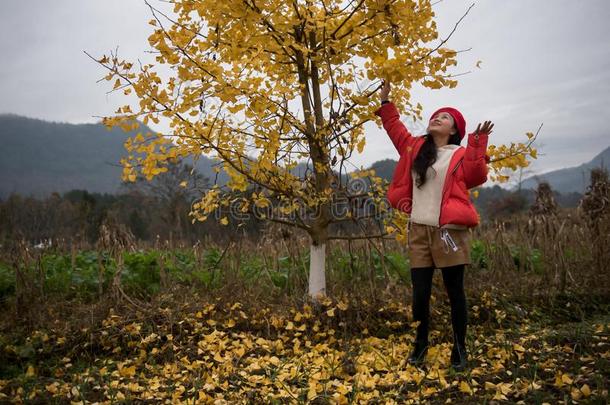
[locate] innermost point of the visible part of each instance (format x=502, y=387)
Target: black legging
x=453, y=278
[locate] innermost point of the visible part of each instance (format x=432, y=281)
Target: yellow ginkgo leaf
x=518, y=348
x=465, y=388
x=31, y=372
x=127, y=371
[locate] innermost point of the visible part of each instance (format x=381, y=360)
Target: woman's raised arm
x=475, y=158
x=390, y=117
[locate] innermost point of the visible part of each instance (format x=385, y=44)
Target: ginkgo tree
x=262, y=85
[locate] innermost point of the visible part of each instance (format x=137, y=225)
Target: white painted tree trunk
x=317, y=275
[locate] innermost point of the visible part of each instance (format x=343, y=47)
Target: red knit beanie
x=460, y=123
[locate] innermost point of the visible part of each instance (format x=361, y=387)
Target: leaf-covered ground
x=339, y=352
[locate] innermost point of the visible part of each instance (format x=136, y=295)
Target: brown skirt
x=430, y=246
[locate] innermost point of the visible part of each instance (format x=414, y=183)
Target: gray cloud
x=45, y=73
x=545, y=61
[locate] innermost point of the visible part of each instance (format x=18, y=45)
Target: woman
x=430, y=183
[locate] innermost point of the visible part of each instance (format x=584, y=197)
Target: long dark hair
x=427, y=156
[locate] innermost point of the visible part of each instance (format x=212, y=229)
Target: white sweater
x=427, y=200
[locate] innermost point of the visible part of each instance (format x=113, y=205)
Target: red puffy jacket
x=467, y=169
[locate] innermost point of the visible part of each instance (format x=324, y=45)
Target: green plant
x=141, y=273
x=527, y=259
x=399, y=265
x=478, y=254
x=7, y=281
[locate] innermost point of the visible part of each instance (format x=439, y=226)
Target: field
x=233, y=323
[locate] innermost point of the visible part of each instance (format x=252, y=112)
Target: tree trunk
x=320, y=158
x=317, y=258
x=317, y=274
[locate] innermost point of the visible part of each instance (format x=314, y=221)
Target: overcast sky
x=543, y=62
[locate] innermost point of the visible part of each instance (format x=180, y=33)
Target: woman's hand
x=385, y=90
x=486, y=129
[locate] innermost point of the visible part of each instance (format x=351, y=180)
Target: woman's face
x=441, y=124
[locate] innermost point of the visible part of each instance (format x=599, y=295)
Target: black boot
x=418, y=355
x=459, y=357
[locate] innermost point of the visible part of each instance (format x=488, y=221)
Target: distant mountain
x=571, y=179
x=39, y=157
x=384, y=168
